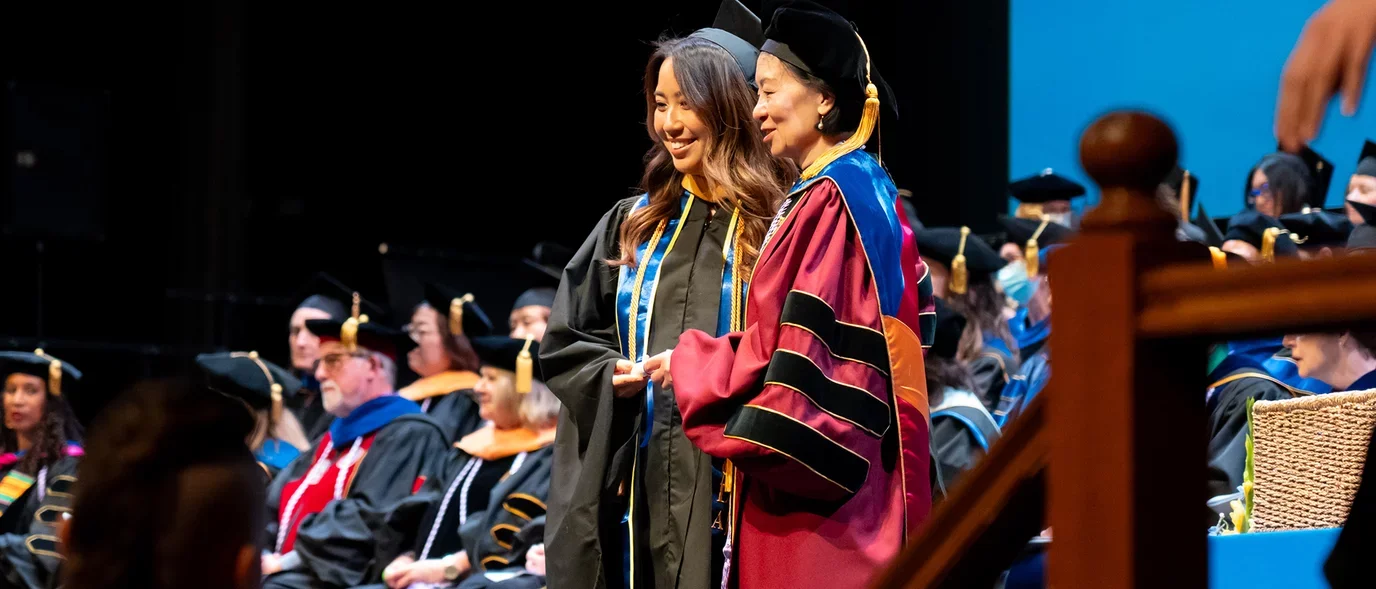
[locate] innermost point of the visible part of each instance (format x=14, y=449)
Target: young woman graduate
x=467, y=518
x=443, y=357
x=820, y=403
x=632, y=502
x=42, y=440
x=264, y=389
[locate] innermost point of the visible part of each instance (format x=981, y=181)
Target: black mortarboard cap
x=59, y=375
x=738, y=31
x=509, y=353
x=1363, y=236
x=1212, y=235
x=1045, y=187
x=328, y=294
x=367, y=334
x=464, y=315
x=1366, y=163
x=950, y=324
x=1021, y=230
x=246, y=376
x=1320, y=176
x=814, y=39
x=943, y=243
x=1318, y=227
x=540, y=296
x=1252, y=227
x=549, y=259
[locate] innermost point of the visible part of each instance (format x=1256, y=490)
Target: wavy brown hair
x=736, y=160
x=982, y=305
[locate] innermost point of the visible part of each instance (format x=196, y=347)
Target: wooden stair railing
x=1111, y=436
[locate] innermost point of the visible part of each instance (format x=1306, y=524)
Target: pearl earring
x=819, y=124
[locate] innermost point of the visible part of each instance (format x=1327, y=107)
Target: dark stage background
x=175, y=172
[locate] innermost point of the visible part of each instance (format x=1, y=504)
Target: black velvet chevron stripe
x=846, y=402
x=803, y=444
x=846, y=341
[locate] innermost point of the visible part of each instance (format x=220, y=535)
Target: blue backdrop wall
x=1211, y=68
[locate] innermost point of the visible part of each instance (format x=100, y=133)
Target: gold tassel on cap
x=54, y=373
x=274, y=388
x=525, y=368
x=348, y=333
x=1220, y=258
x=1031, y=252
x=456, y=313
x=1268, y=244
x=869, y=120
x=960, y=276
x=1185, y=193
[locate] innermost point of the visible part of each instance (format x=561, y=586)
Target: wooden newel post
x=1126, y=490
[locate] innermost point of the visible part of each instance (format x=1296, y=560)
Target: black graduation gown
x=29, y=555
x=503, y=519
x=336, y=544
x=598, y=433
x=990, y=372
x=962, y=433
x=1227, y=407
x=447, y=398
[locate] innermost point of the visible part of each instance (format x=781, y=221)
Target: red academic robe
x=817, y=399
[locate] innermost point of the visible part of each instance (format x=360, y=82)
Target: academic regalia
x=978, y=263
x=820, y=402
x=29, y=557
x=1264, y=233
x=1320, y=176
x=447, y=397
x=1024, y=386
x=962, y=428
x=603, y=439
x=1033, y=192
x=263, y=386
x=504, y=478
x=1363, y=237
x=1318, y=228
x=323, y=508
x=1234, y=381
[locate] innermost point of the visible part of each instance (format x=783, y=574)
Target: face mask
x=1065, y=219
x=1015, y=283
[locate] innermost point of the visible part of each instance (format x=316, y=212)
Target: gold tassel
x=1268, y=244
x=54, y=373
x=1185, y=193
x=456, y=313
x=525, y=368
x=960, y=276
x=869, y=119
x=276, y=404
x=1220, y=259
x=348, y=333
x=1032, y=252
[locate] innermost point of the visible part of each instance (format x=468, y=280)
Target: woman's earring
x=819, y=124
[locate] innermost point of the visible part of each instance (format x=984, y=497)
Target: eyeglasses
x=333, y=361
x=417, y=331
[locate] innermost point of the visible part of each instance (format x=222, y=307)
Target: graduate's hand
x=627, y=379
x=535, y=560
x=393, y=573
x=1331, y=55
x=272, y=563
x=430, y=570
x=658, y=367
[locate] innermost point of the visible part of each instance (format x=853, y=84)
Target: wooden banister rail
x=1123, y=413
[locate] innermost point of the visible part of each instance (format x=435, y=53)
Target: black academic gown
x=447, y=398
x=990, y=372
x=598, y=433
x=1227, y=407
x=503, y=519
x=962, y=432
x=29, y=554
x=336, y=544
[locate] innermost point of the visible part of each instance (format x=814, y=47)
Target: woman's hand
x=535, y=560
x=1331, y=55
x=627, y=380
x=658, y=367
x=272, y=563
x=393, y=573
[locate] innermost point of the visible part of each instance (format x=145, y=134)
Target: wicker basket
x=1307, y=458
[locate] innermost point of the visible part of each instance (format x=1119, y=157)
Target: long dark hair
x=57, y=427
x=1289, y=181
x=462, y=357
x=982, y=306
x=946, y=373
x=736, y=160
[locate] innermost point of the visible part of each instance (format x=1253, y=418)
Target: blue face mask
x=1015, y=283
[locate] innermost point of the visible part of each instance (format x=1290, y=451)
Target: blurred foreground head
x=168, y=494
